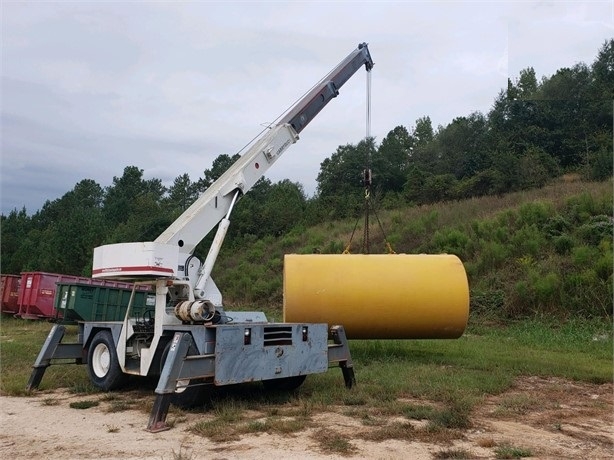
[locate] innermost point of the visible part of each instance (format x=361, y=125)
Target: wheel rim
x=101, y=360
x=182, y=385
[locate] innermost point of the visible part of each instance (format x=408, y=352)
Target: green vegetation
x=538, y=253
x=436, y=382
x=334, y=443
x=454, y=453
x=536, y=131
x=84, y=404
x=508, y=451
x=20, y=343
x=456, y=373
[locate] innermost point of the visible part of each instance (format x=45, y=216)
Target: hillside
x=545, y=251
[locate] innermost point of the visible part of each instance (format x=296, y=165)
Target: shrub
x=528, y=240
x=556, y=226
x=489, y=301
x=492, y=255
x=451, y=241
x=563, y=244
x=597, y=228
x=535, y=213
x=584, y=255
x=546, y=289
x=581, y=207
x=604, y=267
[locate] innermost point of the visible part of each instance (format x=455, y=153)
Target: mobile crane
x=190, y=340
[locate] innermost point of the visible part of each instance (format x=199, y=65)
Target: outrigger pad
x=157, y=419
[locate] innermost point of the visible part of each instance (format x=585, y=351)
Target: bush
x=580, y=208
x=451, y=241
x=547, y=289
x=602, y=166
x=597, y=228
x=583, y=256
x=535, y=213
x=563, y=244
x=557, y=225
x=528, y=240
x=604, y=267
x=492, y=255
x=491, y=301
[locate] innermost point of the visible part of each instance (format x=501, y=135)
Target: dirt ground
x=543, y=418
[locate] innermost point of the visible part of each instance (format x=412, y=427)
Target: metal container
x=376, y=296
x=102, y=301
x=9, y=293
x=37, y=293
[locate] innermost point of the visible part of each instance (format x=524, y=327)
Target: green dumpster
x=86, y=302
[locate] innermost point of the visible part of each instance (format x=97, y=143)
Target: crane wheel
x=102, y=363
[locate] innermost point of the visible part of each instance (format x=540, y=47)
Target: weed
x=183, y=454
x=256, y=426
x=557, y=426
x=112, y=429
x=229, y=412
x=354, y=399
x=397, y=430
x=83, y=404
x=213, y=430
x=453, y=453
x=283, y=425
x=119, y=406
x=486, y=443
x=508, y=451
x=418, y=412
x=517, y=404
x=368, y=420
x=332, y=442
x=83, y=388
x=456, y=416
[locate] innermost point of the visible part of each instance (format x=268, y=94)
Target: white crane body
x=190, y=340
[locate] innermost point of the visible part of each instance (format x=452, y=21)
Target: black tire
x=102, y=363
x=284, y=383
x=186, y=395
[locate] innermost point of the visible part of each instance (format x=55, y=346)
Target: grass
x=453, y=453
x=438, y=382
x=455, y=372
x=514, y=405
x=84, y=404
x=333, y=443
x=508, y=451
x=20, y=343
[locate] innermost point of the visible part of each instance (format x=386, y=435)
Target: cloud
x=90, y=88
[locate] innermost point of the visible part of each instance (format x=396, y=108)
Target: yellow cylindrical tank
x=379, y=296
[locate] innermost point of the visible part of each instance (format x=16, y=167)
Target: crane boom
x=214, y=205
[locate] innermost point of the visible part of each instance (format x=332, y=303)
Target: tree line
x=536, y=130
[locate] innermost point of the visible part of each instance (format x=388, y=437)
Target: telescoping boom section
x=188, y=339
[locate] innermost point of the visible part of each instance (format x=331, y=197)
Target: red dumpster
x=37, y=293
x=9, y=293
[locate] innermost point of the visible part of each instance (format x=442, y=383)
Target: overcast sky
x=89, y=88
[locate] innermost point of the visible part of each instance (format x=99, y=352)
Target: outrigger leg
x=53, y=349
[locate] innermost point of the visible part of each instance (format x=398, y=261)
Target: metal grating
x=277, y=335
